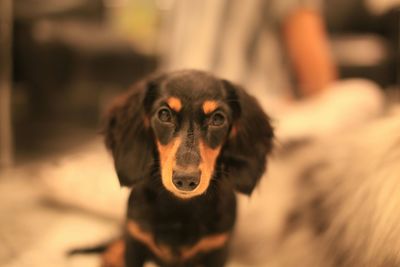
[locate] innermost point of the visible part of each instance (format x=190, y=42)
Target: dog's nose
x=186, y=181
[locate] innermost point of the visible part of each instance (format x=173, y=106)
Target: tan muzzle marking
x=168, y=161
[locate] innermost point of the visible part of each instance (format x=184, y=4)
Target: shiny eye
x=217, y=119
x=164, y=115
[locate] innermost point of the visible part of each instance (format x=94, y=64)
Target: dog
x=185, y=142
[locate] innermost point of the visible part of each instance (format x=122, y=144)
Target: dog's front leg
x=135, y=253
x=216, y=258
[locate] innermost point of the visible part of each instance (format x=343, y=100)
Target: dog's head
x=194, y=127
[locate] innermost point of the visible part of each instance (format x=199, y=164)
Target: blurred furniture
x=68, y=62
x=66, y=53
x=365, y=39
x=6, y=152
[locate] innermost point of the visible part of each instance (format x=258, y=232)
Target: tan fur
x=147, y=239
x=209, y=157
x=114, y=255
x=209, y=106
x=175, y=103
x=167, y=160
x=205, y=244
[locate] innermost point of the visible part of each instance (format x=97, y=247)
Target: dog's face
x=193, y=127
x=190, y=120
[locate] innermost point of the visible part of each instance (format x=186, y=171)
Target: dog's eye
x=165, y=115
x=217, y=119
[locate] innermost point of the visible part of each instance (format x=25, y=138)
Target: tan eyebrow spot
x=174, y=103
x=209, y=106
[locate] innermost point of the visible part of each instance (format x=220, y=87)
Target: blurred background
x=62, y=61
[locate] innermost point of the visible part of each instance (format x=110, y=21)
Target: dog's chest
x=176, y=223
x=178, y=231
x=176, y=227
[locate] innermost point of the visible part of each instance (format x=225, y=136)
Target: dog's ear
x=250, y=140
x=128, y=133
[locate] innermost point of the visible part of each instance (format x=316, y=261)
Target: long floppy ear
x=250, y=140
x=128, y=135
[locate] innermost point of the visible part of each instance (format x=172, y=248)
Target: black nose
x=186, y=181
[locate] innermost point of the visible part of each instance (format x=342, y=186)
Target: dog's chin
x=186, y=195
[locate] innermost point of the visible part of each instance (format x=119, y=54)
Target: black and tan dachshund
x=185, y=142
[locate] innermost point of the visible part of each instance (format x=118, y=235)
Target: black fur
x=132, y=131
